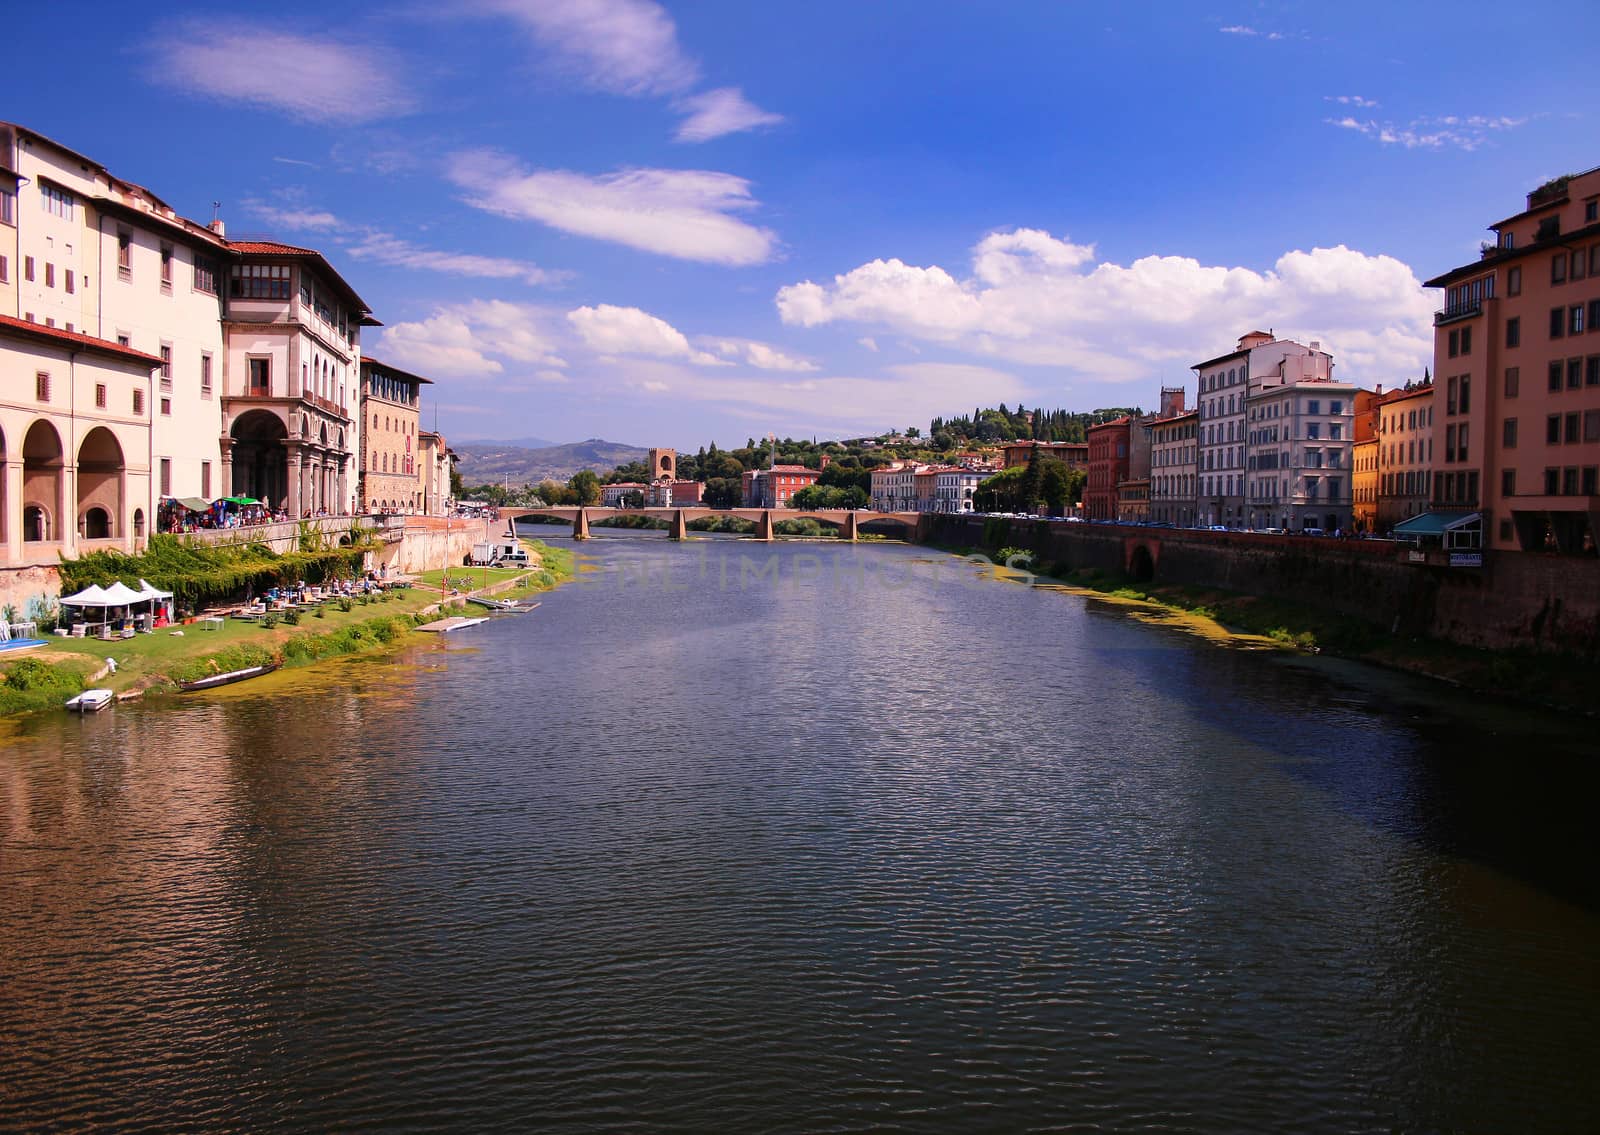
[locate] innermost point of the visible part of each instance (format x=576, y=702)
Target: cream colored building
x=92, y=253
x=75, y=443
x=435, y=462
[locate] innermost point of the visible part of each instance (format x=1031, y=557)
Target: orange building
x=1516, y=416
x=1108, y=468
x=1074, y=454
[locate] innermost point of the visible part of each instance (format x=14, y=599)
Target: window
x=1466, y=394
x=1508, y=433
x=1573, y=430
x=71, y=283
x=1466, y=340
x=138, y=402
x=259, y=281
x=1513, y=278
x=1315, y=405
x=1552, y=430
x=1455, y=343
x=1589, y=210
x=49, y=274
x=124, y=253
x=166, y=407
x=205, y=376
x=57, y=202
x=166, y=366
x=1580, y=261
x=1575, y=319
x=1574, y=373
x=1514, y=332
x=41, y=386
x=260, y=377
x=205, y=276
x=1569, y=481
x=1335, y=431
x=1558, y=268
x=1558, y=322
x=27, y=268
x=1555, y=377
x=1591, y=371
x=8, y=207
x=1336, y=408
x=1591, y=476
x=1449, y=443
x=166, y=476
x=1450, y=396
x=1552, y=482
x=166, y=267
x=1508, y=482
x=1594, y=305
x=205, y=479
x=100, y=395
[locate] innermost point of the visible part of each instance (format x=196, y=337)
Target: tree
x=723, y=492
x=555, y=493
x=585, y=486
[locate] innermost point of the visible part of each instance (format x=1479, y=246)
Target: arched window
x=35, y=523
x=96, y=524
x=138, y=522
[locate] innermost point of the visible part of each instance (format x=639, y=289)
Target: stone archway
x=101, y=479
x=260, y=458
x=1141, y=564
x=43, y=481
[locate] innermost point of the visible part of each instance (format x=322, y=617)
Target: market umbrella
x=241, y=500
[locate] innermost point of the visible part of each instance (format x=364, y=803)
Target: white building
x=1173, y=451
x=1301, y=441
x=952, y=489
x=1226, y=383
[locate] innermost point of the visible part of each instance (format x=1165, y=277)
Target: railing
x=1458, y=311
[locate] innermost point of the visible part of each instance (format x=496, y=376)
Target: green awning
x=195, y=504
x=1434, y=523
x=241, y=500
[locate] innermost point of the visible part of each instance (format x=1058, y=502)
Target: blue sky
x=671, y=224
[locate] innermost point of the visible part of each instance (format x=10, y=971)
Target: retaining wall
x=1516, y=600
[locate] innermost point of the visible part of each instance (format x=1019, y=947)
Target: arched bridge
x=849, y=521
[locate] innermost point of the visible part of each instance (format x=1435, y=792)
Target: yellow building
x=390, y=400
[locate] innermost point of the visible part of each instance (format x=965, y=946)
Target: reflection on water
x=793, y=839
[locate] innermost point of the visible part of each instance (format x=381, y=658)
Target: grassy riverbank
x=1525, y=676
x=47, y=677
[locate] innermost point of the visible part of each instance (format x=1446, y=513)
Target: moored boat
x=212, y=681
x=90, y=701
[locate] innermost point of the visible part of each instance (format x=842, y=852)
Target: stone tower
x=663, y=465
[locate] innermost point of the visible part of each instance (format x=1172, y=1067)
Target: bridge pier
x=764, y=526
x=680, y=527
x=851, y=531
x=580, y=525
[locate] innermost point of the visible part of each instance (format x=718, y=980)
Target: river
x=797, y=838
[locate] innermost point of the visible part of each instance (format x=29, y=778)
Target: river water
x=802, y=838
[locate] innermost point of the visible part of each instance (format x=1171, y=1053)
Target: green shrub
x=292, y=617
x=269, y=620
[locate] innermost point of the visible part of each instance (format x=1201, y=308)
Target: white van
x=512, y=553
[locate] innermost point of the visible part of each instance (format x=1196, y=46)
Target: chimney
x=218, y=227
x=1380, y=389
x=1316, y=344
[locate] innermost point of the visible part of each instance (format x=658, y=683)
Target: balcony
x=1457, y=313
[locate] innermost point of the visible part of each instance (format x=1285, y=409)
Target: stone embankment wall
x=1516, y=600
x=431, y=543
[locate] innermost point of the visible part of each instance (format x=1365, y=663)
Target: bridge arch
x=1140, y=560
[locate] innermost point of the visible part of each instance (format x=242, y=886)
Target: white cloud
x=681, y=213
x=293, y=220
x=312, y=79
x=1351, y=100
x=762, y=356
x=612, y=330
x=386, y=249
x=1258, y=33
x=1432, y=132
x=627, y=47
x=480, y=339
x=722, y=111
x=1038, y=300
x=869, y=343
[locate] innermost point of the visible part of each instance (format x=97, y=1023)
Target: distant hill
x=485, y=462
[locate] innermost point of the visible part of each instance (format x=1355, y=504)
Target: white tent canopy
x=148, y=591
x=119, y=594
x=92, y=596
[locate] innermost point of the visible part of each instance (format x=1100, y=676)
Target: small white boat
x=90, y=701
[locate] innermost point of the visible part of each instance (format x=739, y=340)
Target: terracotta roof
x=276, y=248
x=269, y=248
x=791, y=469
x=74, y=339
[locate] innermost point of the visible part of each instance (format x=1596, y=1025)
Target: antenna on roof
x=216, y=210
